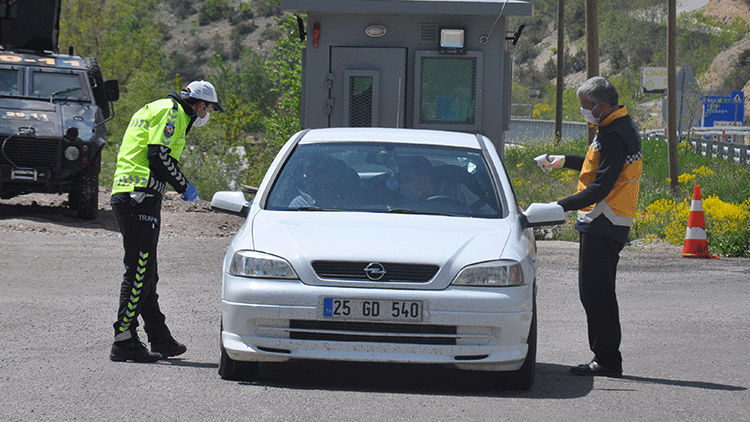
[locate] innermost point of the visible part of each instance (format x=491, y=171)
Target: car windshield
x=9, y=81
x=385, y=177
x=58, y=85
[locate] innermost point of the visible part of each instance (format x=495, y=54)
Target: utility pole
x=560, y=69
x=672, y=94
x=592, y=48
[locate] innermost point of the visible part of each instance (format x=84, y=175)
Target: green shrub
x=662, y=213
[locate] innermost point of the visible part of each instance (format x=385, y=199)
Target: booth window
x=361, y=94
x=447, y=90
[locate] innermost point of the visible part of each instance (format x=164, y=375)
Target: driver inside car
x=326, y=183
x=417, y=183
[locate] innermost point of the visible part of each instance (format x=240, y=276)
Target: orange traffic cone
x=696, y=245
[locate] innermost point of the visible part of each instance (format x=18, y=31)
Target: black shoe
x=132, y=349
x=168, y=348
x=593, y=368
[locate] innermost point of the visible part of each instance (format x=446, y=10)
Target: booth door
x=367, y=87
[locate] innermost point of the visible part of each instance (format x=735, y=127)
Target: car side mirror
x=538, y=214
x=230, y=202
x=112, y=89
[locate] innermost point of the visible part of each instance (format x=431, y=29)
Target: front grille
x=372, y=332
x=30, y=152
x=410, y=273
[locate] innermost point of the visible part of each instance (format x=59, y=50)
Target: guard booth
x=429, y=64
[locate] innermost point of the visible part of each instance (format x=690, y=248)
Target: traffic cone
x=696, y=245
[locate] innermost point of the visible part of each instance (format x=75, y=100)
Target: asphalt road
x=685, y=323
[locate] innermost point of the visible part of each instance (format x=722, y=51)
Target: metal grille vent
x=410, y=273
x=360, y=101
x=31, y=152
x=372, y=332
x=428, y=33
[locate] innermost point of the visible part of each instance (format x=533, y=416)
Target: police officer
x=606, y=201
x=148, y=160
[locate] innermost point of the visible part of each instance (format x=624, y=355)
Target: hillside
x=191, y=41
x=728, y=11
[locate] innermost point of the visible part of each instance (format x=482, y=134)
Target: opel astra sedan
x=383, y=245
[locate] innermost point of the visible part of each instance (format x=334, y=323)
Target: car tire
x=523, y=378
x=97, y=85
x=236, y=370
x=84, y=194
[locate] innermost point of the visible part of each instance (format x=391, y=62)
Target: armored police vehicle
x=53, y=109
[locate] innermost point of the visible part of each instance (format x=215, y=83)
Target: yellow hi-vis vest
x=162, y=122
x=620, y=206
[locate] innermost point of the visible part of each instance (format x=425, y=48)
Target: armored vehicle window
x=63, y=85
x=9, y=81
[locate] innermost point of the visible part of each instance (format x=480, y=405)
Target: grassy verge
x=662, y=214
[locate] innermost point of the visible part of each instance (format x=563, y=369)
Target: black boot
x=132, y=349
x=168, y=348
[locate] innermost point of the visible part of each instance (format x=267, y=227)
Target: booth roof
x=421, y=7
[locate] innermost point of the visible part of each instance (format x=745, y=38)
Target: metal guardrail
x=534, y=131
x=732, y=142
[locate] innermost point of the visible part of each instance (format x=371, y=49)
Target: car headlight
x=491, y=274
x=258, y=264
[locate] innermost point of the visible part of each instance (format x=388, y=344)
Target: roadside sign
x=724, y=110
x=654, y=80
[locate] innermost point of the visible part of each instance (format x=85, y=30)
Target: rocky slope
x=728, y=12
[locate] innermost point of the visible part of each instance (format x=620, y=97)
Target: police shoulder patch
x=169, y=130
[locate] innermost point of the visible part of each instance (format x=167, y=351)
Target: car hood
x=451, y=243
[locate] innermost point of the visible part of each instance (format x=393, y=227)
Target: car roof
x=405, y=136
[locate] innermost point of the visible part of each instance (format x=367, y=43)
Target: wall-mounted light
x=375, y=31
x=452, y=40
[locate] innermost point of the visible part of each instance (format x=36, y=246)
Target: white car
x=383, y=245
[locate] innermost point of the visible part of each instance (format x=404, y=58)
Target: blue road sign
x=724, y=110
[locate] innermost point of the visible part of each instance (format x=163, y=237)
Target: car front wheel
x=236, y=370
x=523, y=378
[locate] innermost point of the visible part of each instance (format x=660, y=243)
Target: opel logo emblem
x=375, y=271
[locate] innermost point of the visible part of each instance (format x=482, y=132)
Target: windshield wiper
x=411, y=211
x=66, y=91
x=402, y=211
x=309, y=208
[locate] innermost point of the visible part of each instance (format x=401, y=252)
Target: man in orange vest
x=606, y=201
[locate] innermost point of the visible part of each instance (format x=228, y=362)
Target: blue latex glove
x=191, y=194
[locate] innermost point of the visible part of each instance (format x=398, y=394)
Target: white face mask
x=201, y=121
x=588, y=116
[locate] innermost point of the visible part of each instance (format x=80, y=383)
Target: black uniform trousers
x=597, y=265
x=139, y=223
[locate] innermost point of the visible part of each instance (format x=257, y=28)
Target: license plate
x=369, y=309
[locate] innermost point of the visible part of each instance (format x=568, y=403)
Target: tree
x=286, y=71
x=121, y=35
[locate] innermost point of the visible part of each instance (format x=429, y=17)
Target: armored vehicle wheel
x=84, y=194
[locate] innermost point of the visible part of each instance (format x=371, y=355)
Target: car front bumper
x=472, y=328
